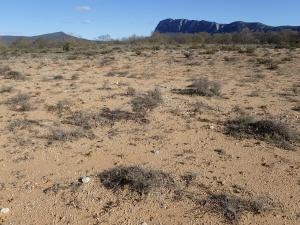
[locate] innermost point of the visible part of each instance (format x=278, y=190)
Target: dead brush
x=21, y=124
x=187, y=54
x=7, y=73
x=104, y=117
x=231, y=207
x=61, y=134
x=296, y=108
x=147, y=102
x=130, y=91
x=201, y=87
x=199, y=108
x=136, y=179
x=61, y=107
x=117, y=115
x=14, y=75
x=86, y=120
x=20, y=102
x=4, y=69
x=5, y=89
x=267, y=130
x=271, y=64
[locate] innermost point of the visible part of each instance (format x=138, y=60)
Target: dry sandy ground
x=39, y=177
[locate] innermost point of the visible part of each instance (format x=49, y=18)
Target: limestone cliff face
x=194, y=26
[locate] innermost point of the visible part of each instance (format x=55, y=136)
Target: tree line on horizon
x=285, y=38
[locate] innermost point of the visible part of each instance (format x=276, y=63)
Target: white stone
x=156, y=152
x=143, y=223
x=4, y=210
x=85, y=179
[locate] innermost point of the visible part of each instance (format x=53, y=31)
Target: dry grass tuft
x=61, y=134
x=62, y=106
x=201, y=87
x=5, y=89
x=136, y=179
x=148, y=102
x=7, y=73
x=232, y=207
x=20, y=102
x=20, y=124
x=271, y=131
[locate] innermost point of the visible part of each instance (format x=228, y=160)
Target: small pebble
x=211, y=127
x=4, y=210
x=143, y=223
x=85, y=179
x=156, y=152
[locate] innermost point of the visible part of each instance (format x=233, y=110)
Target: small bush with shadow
x=267, y=130
x=5, y=89
x=4, y=69
x=14, y=75
x=130, y=91
x=60, y=107
x=7, y=73
x=232, y=207
x=85, y=120
x=147, y=102
x=58, y=77
x=136, y=179
x=20, y=102
x=201, y=87
x=103, y=117
x=117, y=115
x=198, y=108
x=62, y=134
x=296, y=108
x=21, y=124
x=271, y=64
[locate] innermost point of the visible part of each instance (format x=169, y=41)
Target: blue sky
x=122, y=18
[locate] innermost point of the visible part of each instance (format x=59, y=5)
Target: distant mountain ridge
x=56, y=37
x=194, y=26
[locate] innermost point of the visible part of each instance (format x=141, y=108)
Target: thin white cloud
x=86, y=21
x=83, y=8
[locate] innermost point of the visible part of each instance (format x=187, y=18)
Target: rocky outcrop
x=194, y=26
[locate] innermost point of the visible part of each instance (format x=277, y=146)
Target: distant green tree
x=66, y=47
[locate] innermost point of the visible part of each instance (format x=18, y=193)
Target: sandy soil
x=39, y=177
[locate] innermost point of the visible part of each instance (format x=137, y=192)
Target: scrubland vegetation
x=167, y=129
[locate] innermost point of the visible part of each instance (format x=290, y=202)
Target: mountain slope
x=55, y=37
x=194, y=26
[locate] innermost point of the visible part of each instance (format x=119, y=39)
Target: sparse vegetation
x=297, y=108
x=20, y=124
x=117, y=115
x=7, y=73
x=201, y=87
x=58, y=77
x=267, y=130
x=130, y=91
x=100, y=110
x=136, y=179
x=199, y=108
x=271, y=64
x=5, y=89
x=66, y=47
x=188, y=178
x=232, y=207
x=147, y=102
x=62, y=106
x=20, y=102
x=85, y=120
x=61, y=134
x=4, y=69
